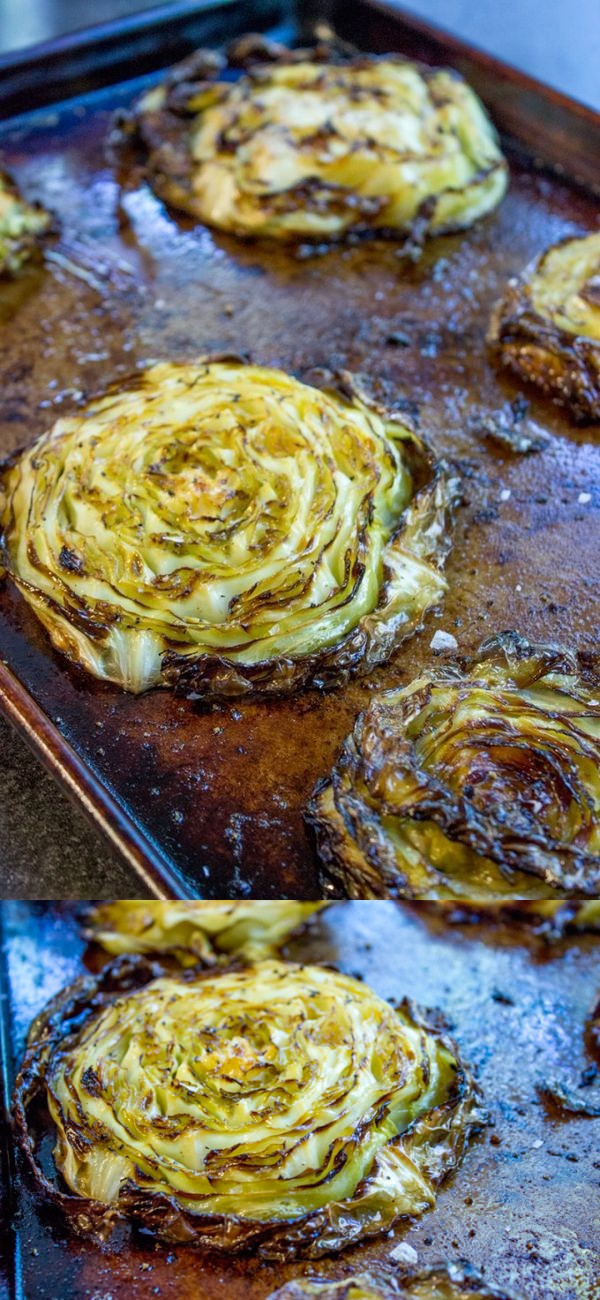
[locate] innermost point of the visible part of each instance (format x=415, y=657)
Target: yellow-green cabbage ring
x=474, y=785
x=207, y=932
x=225, y=528
x=448, y=1281
x=282, y=1106
x=311, y=145
x=22, y=227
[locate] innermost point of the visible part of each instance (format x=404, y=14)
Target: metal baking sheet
x=524, y=1205
x=209, y=803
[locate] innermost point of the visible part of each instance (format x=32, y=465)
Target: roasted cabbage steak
x=546, y=330
x=277, y=1106
x=205, y=932
x=224, y=528
x=454, y=1281
x=313, y=144
x=472, y=785
x=22, y=225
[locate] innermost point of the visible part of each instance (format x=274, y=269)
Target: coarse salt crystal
x=584, y=498
x=443, y=643
x=407, y=1254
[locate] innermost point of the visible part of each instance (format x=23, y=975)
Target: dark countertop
x=47, y=848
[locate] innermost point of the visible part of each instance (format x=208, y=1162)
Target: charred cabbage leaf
x=550, y=919
x=198, y=931
x=312, y=144
x=223, y=528
x=454, y=1281
x=592, y=1034
x=474, y=785
x=547, y=328
x=21, y=226
x=281, y=1106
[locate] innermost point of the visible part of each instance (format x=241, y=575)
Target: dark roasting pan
x=210, y=803
x=524, y=1205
